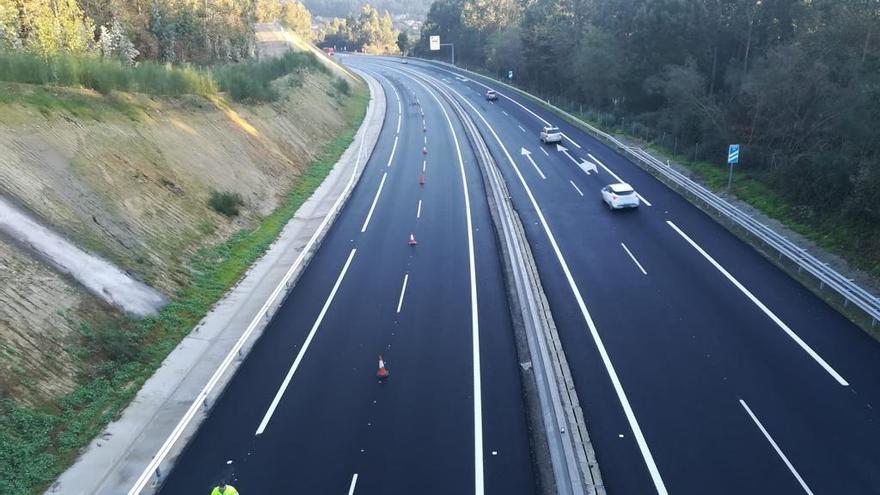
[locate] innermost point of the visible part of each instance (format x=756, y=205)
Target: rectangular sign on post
x=733, y=154
x=510, y=74
x=435, y=43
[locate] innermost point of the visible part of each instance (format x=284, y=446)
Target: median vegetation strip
x=40, y=440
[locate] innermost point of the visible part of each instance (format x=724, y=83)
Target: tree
x=403, y=43
x=297, y=18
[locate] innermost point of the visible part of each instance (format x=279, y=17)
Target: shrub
x=226, y=203
x=342, y=86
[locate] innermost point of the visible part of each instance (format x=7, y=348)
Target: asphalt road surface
x=306, y=414
x=701, y=367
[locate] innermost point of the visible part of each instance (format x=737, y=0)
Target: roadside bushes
x=247, y=81
x=105, y=75
x=226, y=203
x=252, y=80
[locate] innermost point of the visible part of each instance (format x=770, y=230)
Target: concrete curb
x=564, y=435
x=137, y=450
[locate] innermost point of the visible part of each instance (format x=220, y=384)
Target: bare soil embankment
x=128, y=177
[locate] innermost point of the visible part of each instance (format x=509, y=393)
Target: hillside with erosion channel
x=178, y=179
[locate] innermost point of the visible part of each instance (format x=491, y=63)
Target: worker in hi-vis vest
x=224, y=489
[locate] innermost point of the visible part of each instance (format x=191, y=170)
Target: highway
x=701, y=367
x=305, y=412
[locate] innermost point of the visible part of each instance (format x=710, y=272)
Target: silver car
x=550, y=134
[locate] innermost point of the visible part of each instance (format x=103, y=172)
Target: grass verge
x=39, y=442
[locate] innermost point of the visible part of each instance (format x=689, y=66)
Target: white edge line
x=354, y=480
x=305, y=347
x=576, y=188
x=419, y=211
x=776, y=448
x=606, y=359
x=393, y=150
x=196, y=405
x=373, y=206
x=633, y=258
x=479, y=482
x=816, y=357
x=402, y=292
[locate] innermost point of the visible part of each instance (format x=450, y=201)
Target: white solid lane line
x=354, y=480
x=762, y=307
x=373, y=206
x=419, y=211
x=521, y=128
x=576, y=188
x=402, y=291
x=597, y=339
x=544, y=151
x=393, y=150
x=570, y=140
x=479, y=481
x=399, y=118
x=618, y=179
x=304, y=347
x=776, y=448
x=633, y=258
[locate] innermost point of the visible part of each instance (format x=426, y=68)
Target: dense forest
x=201, y=32
x=796, y=82
x=368, y=31
x=342, y=8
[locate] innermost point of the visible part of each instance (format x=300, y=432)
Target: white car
x=550, y=134
x=620, y=195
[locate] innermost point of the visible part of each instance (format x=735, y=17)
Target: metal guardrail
x=851, y=292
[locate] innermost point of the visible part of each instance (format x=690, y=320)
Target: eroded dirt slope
x=129, y=177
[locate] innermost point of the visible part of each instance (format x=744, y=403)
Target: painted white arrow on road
x=584, y=165
x=528, y=154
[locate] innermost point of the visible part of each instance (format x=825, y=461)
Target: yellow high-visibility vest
x=229, y=490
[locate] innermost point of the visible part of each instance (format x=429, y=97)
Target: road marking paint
x=544, y=151
x=354, y=480
x=505, y=113
x=402, y=292
x=305, y=346
x=479, y=481
x=528, y=155
x=597, y=339
x=393, y=150
x=570, y=140
x=576, y=188
x=424, y=165
x=373, y=206
x=399, y=118
x=633, y=258
x=763, y=308
x=776, y=448
x=426, y=139
x=419, y=211
x=521, y=128
x=618, y=179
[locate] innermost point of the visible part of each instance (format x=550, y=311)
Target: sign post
x=732, y=159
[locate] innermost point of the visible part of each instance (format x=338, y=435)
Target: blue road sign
x=733, y=154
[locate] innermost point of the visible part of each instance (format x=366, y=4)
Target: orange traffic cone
x=383, y=372
x=422, y=180
x=412, y=240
